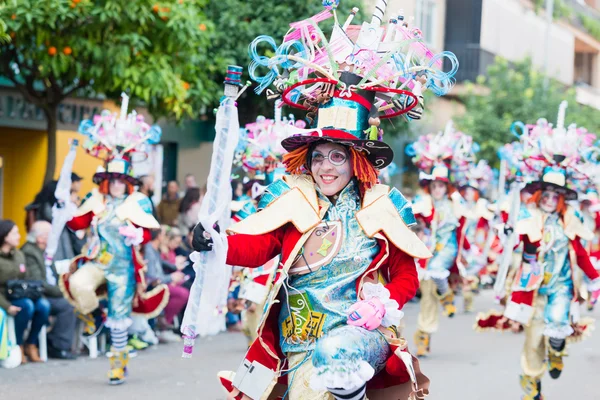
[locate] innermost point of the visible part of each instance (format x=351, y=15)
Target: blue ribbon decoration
x=272, y=63
x=446, y=79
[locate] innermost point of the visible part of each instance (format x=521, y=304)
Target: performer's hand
x=201, y=240
x=366, y=314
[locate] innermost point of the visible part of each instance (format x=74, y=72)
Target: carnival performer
x=442, y=212
x=590, y=212
x=120, y=220
x=473, y=181
x=544, y=297
x=347, y=251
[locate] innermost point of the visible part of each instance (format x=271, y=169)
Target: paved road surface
x=465, y=365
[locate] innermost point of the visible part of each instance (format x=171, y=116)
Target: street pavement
x=464, y=365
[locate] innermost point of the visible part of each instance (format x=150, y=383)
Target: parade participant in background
x=347, y=252
x=474, y=180
x=442, y=212
x=590, y=212
x=120, y=220
x=544, y=296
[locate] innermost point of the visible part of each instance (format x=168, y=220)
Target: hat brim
x=100, y=177
x=569, y=194
x=379, y=154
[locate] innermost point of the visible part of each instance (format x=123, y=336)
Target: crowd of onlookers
x=166, y=256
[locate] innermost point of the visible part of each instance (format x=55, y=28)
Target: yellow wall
x=24, y=153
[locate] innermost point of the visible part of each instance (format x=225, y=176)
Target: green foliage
x=157, y=50
x=561, y=10
x=591, y=25
x=516, y=93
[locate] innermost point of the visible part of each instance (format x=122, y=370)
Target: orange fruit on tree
x=186, y=86
x=73, y=5
x=12, y=35
x=52, y=51
x=67, y=51
x=202, y=27
x=155, y=8
x=13, y=17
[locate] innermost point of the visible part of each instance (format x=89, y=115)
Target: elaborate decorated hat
x=349, y=82
x=438, y=156
x=478, y=176
x=556, y=154
x=118, y=140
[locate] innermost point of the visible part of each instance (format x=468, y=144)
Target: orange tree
x=156, y=50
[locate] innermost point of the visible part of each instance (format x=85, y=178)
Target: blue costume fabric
x=558, y=279
x=313, y=316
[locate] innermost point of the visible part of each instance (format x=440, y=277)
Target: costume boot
x=556, y=352
x=447, y=301
x=422, y=340
x=118, y=367
x=468, y=301
x=532, y=388
x=31, y=351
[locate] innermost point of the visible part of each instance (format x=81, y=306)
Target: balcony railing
x=473, y=60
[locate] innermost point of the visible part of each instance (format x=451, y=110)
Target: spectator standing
x=190, y=182
x=168, y=209
x=60, y=338
x=188, y=210
x=24, y=310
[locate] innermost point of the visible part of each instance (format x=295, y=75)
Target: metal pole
x=549, y=17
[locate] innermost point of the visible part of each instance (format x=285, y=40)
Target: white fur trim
x=347, y=375
x=594, y=285
x=518, y=312
x=437, y=274
x=562, y=332
x=393, y=315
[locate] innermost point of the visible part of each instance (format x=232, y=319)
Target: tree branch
x=70, y=91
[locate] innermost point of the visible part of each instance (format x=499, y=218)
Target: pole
x=549, y=16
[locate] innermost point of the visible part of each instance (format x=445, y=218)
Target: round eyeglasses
x=335, y=157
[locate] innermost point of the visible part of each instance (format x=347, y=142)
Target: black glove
x=201, y=240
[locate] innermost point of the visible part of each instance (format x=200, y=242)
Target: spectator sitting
x=189, y=209
x=60, y=338
x=169, y=244
x=25, y=310
x=168, y=209
x=178, y=295
x=184, y=250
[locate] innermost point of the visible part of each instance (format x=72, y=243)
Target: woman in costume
x=347, y=251
x=442, y=212
x=473, y=181
x=120, y=220
x=544, y=297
